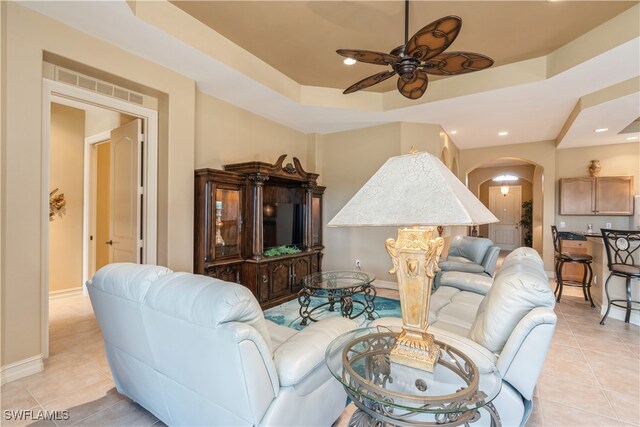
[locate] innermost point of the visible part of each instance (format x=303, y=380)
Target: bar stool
x=561, y=258
x=621, y=246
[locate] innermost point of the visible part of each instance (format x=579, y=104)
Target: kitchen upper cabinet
x=609, y=195
x=614, y=195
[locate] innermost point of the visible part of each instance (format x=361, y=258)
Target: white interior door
x=507, y=208
x=125, y=201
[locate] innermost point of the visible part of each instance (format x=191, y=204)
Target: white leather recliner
x=509, y=319
x=194, y=350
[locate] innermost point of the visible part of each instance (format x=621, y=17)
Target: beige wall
x=228, y=134
x=28, y=35
x=3, y=39
x=102, y=120
x=543, y=155
x=65, y=231
x=350, y=158
x=616, y=160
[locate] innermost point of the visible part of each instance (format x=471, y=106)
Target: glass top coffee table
x=388, y=394
x=337, y=287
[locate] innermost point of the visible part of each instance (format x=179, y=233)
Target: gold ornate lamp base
x=415, y=260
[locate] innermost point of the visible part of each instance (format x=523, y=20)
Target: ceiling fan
x=420, y=55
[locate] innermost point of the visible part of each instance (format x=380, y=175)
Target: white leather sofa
x=198, y=351
x=508, y=318
x=468, y=254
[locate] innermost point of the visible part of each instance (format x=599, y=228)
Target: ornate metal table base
x=341, y=295
x=388, y=394
x=372, y=414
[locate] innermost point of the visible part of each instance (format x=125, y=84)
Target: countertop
x=577, y=235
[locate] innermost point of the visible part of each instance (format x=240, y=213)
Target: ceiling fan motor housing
x=406, y=67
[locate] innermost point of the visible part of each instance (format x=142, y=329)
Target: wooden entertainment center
x=240, y=208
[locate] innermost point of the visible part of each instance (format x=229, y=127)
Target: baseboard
x=65, y=293
x=21, y=369
x=385, y=284
x=619, y=314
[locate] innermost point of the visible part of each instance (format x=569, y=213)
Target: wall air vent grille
x=134, y=97
x=86, y=82
x=121, y=93
x=104, y=89
x=67, y=77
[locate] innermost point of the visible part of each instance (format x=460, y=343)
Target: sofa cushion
x=127, y=280
x=207, y=302
x=520, y=254
x=518, y=288
x=471, y=248
x=476, y=283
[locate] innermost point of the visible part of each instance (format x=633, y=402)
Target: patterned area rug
x=288, y=313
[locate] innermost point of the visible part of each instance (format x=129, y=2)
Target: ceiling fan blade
x=433, y=39
x=414, y=88
x=368, y=56
x=449, y=64
x=369, y=81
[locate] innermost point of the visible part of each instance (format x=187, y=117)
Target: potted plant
x=526, y=222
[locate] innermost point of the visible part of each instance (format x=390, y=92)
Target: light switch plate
x=562, y=224
x=607, y=225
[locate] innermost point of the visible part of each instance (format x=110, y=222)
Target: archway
x=479, y=178
x=444, y=156
x=455, y=168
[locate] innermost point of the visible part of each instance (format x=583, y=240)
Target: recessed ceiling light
x=503, y=133
x=453, y=132
x=349, y=61
x=601, y=130
x=632, y=138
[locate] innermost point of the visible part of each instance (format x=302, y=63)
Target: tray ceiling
x=299, y=38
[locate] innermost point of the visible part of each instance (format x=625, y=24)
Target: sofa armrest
x=523, y=356
x=468, y=267
x=300, y=355
x=471, y=282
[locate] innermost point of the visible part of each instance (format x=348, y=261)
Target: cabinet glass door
x=316, y=221
x=228, y=223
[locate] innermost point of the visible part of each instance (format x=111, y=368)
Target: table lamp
x=415, y=192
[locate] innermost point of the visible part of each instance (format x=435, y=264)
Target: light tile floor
x=591, y=376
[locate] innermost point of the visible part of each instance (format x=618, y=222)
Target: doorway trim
x=88, y=205
x=52, y=90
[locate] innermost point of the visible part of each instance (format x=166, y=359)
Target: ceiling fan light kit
x=420, y=55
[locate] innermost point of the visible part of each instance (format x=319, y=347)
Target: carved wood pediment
x=289, y=171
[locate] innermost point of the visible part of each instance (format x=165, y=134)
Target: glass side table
x=337, y=287
x=388, y=394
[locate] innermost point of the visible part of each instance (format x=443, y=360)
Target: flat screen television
x=283, y=224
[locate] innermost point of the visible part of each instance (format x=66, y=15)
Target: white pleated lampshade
x=413, y=189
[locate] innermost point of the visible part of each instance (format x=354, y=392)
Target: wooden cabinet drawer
x=227, y=272
x=575, y=246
